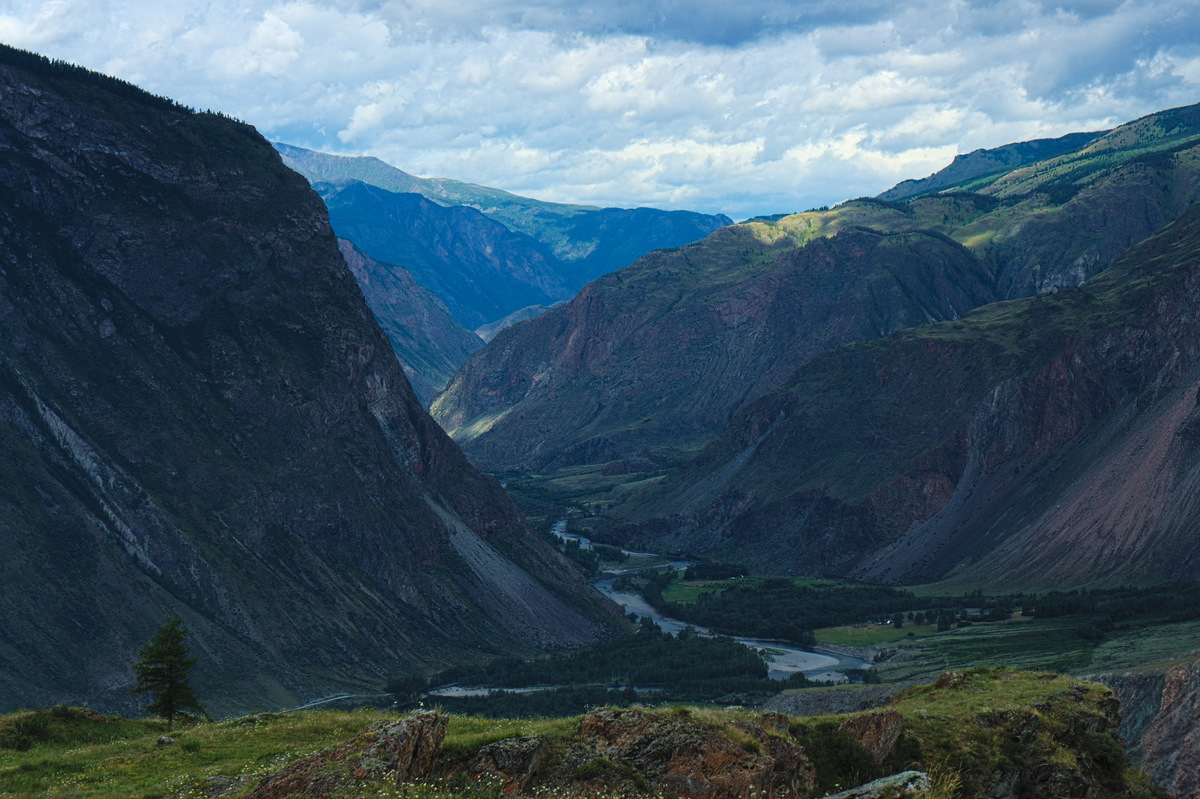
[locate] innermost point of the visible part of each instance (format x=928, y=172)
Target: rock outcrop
x=1160, y=723
x=385, y=753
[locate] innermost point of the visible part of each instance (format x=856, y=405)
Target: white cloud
x=753, y=107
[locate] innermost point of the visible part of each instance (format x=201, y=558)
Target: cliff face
x=430, y=344
x=1160, y=725
x=199, y=415
x=1047, y=441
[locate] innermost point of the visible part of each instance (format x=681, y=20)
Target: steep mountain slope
x=481, y=269
x=198, y=414
x=430, y=344
x=649, y=361
x=1044, y=441
x=588, y=241
x=573, y=388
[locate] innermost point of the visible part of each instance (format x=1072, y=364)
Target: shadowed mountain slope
x=430, y=344
x=1037, y=442
x=481, y=269
x=198, y=414
x=585, y=241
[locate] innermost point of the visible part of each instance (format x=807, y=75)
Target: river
x=783, y=659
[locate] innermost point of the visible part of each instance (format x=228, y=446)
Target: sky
x=742, y=107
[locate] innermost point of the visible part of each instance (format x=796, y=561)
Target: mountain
x=981, y=163
x=1047, y=441
x=647, y=365
x=198, y=414
x=430, y=344
x=649, y=361
x=489, y=331
x=478, y=267
x=586, y=241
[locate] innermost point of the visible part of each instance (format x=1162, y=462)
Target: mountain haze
x=584, y=241
x=200, y=415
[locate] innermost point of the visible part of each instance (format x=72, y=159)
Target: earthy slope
x=682, y=339
x=1045, y=441
x=430, y=344
x=198, y=414
x=650, y=361
x=588, y=241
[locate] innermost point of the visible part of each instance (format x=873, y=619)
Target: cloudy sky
x=738, y=106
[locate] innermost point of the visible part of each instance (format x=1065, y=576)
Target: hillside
x=430, y=344
x=979, y=733
x=980, y=163
x=585, y=241
x=1037, y=442
x=199, y=415
x=646, y=365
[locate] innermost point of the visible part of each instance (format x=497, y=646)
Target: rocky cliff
x=430, y=344
x=1160, y=723
x=198, y=414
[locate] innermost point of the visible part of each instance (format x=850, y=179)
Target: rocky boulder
x=387, y=751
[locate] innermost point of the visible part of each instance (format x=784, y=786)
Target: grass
x=873, y=634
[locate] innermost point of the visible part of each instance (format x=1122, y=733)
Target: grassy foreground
x=957, y=729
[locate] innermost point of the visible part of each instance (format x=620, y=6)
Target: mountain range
x=712, y=399
x=200, y=415
x=488, y=255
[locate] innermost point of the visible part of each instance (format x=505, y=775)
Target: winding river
x=783, y=659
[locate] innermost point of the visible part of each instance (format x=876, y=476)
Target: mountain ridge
x=200, y=415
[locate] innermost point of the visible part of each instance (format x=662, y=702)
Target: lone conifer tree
x=163, y=672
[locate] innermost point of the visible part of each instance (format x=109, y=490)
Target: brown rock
x=875, y=732
x=675, y=753
x=514, y=760
x=393, y=751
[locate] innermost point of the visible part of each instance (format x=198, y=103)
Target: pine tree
x=163, y=672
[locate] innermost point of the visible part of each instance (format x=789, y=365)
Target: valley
x=635, y=499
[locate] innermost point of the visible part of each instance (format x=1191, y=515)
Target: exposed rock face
x=1160, y=723
x=386, y=752
x=430, y=344
x=913, y=784
x=875, y=732
x=199, y=414
x=678, y=755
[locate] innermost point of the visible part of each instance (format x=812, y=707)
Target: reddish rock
x=875, y=732
x=391, y=751
x=675, y=753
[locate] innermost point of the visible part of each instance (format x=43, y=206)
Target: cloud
x=745, y=108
